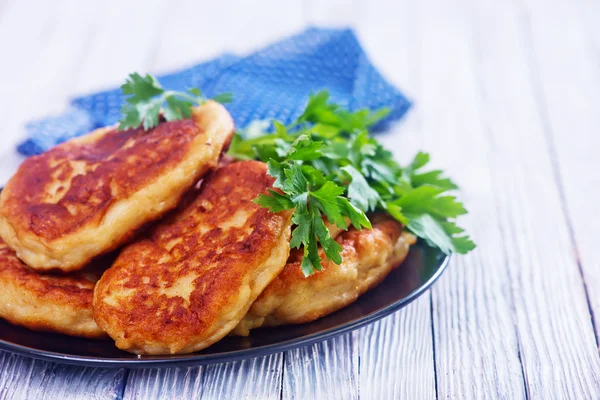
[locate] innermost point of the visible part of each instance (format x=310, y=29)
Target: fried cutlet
x=193, y=279
x=369, y=255
x=48, y=302
x=87, y=196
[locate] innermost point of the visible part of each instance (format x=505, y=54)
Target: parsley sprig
x=328, y=167
x=145, y=98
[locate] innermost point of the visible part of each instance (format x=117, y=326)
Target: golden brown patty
x=192, y=281
x=368, y=256
x=88, y=195
x=47, y=302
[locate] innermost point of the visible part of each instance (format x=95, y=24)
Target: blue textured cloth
x=274, y=82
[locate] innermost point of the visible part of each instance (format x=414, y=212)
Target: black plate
x=422, y=267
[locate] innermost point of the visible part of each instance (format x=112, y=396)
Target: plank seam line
x=520, y=355
x=542, y=109
x=435, y=375
x=359, y=334
x=123, y=385
x=283, y=356
x=503, y=232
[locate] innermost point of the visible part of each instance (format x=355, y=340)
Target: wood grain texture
x=51, y=43
x=556, y=341
x=166, y=383
x=216, y=32
x=564, y=47
x=118, y=47
x=396, y=354
x=476, y=348
x=24, y=378
x=195, y=31
x=257, y=378
x=395, y=361
x=60, y=47
x=506, y=97
x=326, y=370
x=34, y=31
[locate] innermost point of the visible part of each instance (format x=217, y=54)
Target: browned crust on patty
x=126, y=160
x=369, y=255
x=48, y=302
x=70, y=191
x=189, y=283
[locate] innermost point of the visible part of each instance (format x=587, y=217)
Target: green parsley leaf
x=195, y=92
x=140, y=89
x=276, y=170
x=331, y=247
x=328, y=168
x=131, y=118
x=275, y=202
x=396, y=212
x=434, y=178
x=303, y=149
x=427, y=199
x=223, y=98
x=360, y=193
x=327, y=200
x=145, y=97
x=428, y=228
x=177, y=109
x=419, y=161
x=357, y=217
x=151, y=111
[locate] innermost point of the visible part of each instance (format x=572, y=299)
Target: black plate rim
x=203, y=359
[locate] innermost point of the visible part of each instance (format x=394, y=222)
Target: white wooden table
x=507, y=99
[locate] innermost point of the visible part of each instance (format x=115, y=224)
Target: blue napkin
x=274, y=82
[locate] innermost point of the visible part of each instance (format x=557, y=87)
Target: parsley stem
x=184, y=95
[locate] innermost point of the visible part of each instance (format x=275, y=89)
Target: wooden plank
x=338, y=13
x=556, y=337
x=51, y=42
x=198, y=31
x=476, y=348
x=230, y=380
x=472, y=303
x=43, y=72
x=78, y=48
x=326, y=370
x=33, y=31
x=257, y=378
x=395, y=361
x=565, y=45
x=118, y=46
x=193, y=32
x=254, y=378
x=486, y=73
x=164, y=383
x=70, y=54
x=396, y=354
x=24, y=378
